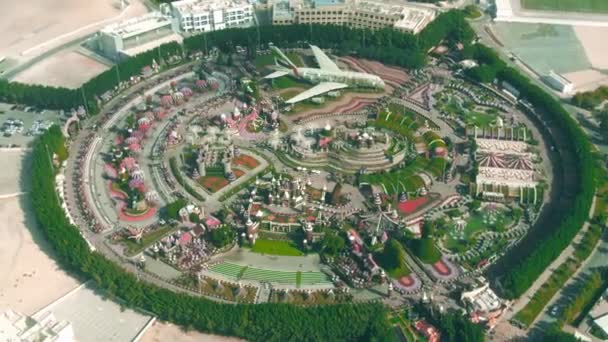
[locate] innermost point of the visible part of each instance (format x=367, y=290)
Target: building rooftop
x=321, y=3
x=96, y=318
x=207, y=5
x=482, y=299
x=152, y=44
x=137, y=25
x=44, y=327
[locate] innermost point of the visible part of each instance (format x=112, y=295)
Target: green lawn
x=477, y=223
x=288, y=82
x=265, y=60
x=276, y=247
x=590, y=6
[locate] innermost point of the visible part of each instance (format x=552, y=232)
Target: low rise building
x=483, y=305
x=211, y=15
x=130, y=37
x=559, y=83
x=505, y=170
x=41, y=327
x=353, y=13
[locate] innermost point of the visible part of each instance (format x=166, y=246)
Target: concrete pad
x=95, y=317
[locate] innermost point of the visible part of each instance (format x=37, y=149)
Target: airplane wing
x=276, y=74
x=325, y=63
x=317, y=90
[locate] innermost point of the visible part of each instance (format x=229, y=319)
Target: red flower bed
x=442, y=268
x=406, y=281
x=246, y=161
x=411, y=206
x=213, y=183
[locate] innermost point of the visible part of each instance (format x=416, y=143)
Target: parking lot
x=19, y=125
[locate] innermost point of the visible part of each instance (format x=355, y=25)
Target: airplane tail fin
x=282, y=57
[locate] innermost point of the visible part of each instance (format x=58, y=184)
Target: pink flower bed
x=442, y=268
x=406, y=281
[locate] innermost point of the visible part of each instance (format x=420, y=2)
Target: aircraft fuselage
x=351, y=78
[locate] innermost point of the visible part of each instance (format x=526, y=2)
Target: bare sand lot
x=160, y=332
x=30, y=27
x=587, y=80
x=65, y=69
x=29, y=277
x=593, y=40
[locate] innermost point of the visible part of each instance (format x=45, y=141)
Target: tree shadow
x=29, y=217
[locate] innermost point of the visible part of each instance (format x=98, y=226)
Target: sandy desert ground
x=587, y=80
x=160, y=332
x=65, y=69
x=37, y=25
x=29, y=277
x=593, y=40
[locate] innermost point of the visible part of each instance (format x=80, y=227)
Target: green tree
x=172, y=209
x=223, y=236
x=332, y=243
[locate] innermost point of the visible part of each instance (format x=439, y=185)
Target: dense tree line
x=525, y=270
x=591, y=99
x=591, y=289
x=387, y=45
x=274, y=322
x=490, y=63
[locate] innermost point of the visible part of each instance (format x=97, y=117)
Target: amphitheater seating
x=259, y=274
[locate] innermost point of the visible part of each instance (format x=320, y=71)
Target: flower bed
x=246, y=161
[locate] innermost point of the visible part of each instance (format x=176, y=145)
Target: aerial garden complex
x=340, y=176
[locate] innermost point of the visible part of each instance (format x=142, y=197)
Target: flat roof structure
x=197, y=6
x=482, y=299
x=354, y=13
x=17, y=327
x=151, y=45
x=412, y=18
x=136, y=26
x=95, y=318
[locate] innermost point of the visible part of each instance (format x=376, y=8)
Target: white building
x=559, y=83
x=130, y=37
x=353, y=13
x=211, y=15
x=40, y=327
